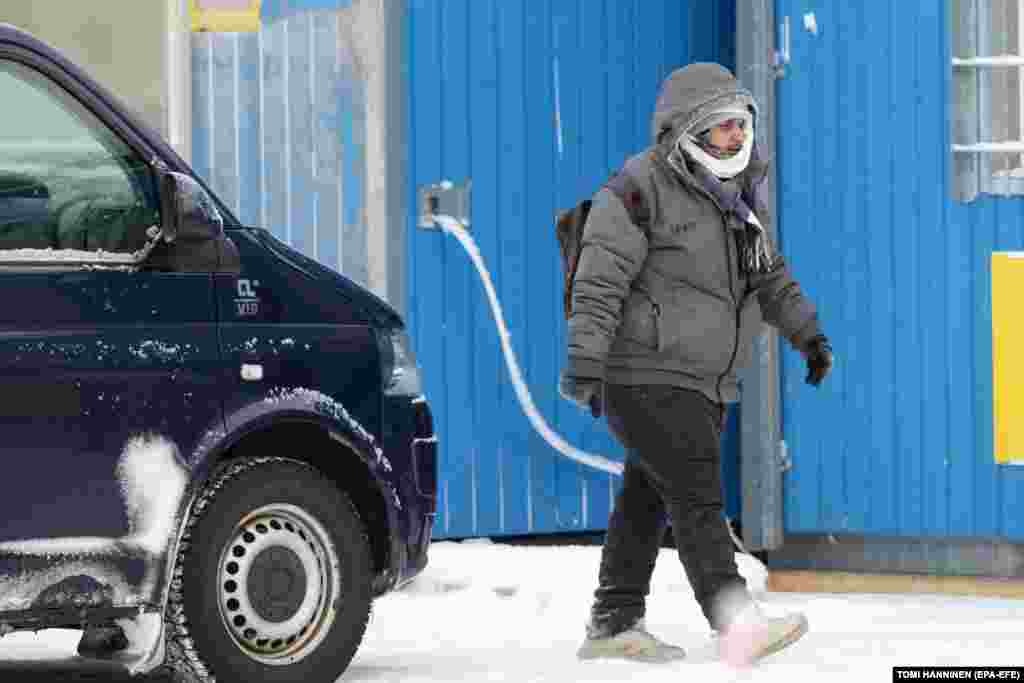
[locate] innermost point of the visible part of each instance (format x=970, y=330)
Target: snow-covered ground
x=491, y=612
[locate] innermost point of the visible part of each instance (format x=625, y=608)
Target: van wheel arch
x=339, y=460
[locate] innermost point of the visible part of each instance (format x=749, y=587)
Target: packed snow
x=19, y=592
x=153, y=482
x=486, y=611
x=492, y=612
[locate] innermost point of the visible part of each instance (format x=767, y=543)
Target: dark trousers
x=673, y=460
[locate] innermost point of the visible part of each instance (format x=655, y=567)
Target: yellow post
x=1008, y=356
x=225, y=16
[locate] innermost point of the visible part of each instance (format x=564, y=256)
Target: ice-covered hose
x=455, y=228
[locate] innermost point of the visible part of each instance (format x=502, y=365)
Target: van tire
x=270, y=544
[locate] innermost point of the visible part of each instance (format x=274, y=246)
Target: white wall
x=137, y=49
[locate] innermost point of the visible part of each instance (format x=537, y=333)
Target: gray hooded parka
x=658, y=297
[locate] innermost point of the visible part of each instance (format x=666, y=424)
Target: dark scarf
x=736, y=197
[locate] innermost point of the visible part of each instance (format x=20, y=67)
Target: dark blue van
x=216, y=451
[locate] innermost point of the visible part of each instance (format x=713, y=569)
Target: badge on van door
x=248, y=303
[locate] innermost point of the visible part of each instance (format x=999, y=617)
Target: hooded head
x=692, y=100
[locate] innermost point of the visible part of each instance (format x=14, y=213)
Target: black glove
x=585, y=392
x=818, y=354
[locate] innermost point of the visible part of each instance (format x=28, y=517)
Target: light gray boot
x=634, y=644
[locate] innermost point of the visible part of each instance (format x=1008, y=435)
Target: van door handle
x=252, y=372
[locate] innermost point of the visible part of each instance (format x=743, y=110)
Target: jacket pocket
x=639, y=320
x=670, y=321
x=699, y=333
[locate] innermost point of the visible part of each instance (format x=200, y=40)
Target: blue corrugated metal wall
x=279, y=130
x=535, y=101
x=899, y=440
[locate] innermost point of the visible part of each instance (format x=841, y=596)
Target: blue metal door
x=898, y=442
x=535, y=103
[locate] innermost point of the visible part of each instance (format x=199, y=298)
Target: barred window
x=988, y=72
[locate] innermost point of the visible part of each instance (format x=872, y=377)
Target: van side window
x=66, y=180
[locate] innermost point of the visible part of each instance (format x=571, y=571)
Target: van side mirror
x=191, y=230
x=188, y=212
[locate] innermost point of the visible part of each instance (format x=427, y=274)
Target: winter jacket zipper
x=736, y=310
x=656, y=311
x=732, y=294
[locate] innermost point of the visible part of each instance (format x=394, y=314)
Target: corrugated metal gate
x=899, y=441
x=534, y=102
x=279, y=131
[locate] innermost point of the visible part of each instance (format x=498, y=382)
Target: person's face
x=729, y=134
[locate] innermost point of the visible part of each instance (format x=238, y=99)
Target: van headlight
x=398, y=362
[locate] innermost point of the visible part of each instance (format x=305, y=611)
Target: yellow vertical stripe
x=1008, y=356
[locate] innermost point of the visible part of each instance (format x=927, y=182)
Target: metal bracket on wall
x=445, y=197
x=785, y=463
x=781, y=56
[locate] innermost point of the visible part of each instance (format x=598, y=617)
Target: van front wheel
x=273, y=579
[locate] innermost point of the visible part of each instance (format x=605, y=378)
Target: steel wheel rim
x=270, y=542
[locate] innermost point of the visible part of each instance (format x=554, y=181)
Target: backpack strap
x=569, y=231
x=624, y=186
x=569, y=226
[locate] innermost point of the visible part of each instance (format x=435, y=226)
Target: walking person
x=676, y=274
